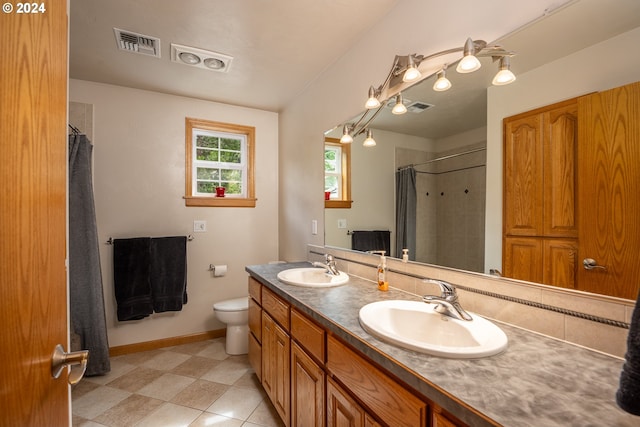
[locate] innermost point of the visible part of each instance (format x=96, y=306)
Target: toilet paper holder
x=218, y=270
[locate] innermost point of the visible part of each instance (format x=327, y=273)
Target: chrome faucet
x=448, y=304
x=329, y=265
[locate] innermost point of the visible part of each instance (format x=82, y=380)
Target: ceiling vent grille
x=418, y=107
x=199, y=58
x=137, y=43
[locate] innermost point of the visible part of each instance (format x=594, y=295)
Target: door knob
x=590, y=264
x=60, y=360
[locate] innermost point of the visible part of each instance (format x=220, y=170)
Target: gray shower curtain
x=406, y=211
x=86, y=299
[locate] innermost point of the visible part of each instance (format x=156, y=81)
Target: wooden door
x=307, y=390
x=33, y=284
x=522, y=258
x=609, y=191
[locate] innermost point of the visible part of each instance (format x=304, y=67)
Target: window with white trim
x=337, y=173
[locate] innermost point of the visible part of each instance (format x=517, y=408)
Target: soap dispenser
x=383, y=285
x=405, y=255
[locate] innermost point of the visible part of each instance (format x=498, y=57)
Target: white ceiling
x=278, y=46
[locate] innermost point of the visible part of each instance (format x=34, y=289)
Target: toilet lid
x=236, y=304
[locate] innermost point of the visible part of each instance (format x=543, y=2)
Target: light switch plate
x=199, y=226
x=342, y=223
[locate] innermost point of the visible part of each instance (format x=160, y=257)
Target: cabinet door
x=560, y=266
x=523, y=162
x=560, y=135
x=275, y=365
x=342, y=410
x=307, y=390
x=522, y=258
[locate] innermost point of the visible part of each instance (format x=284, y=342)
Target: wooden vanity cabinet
x=540, y=215
x=315, y=380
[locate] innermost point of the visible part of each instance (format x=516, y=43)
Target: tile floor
x=195, y=385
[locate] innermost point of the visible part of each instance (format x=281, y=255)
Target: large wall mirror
x=453, y=139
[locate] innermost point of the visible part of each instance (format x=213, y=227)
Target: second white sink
x=312, y=277
x=415, y=325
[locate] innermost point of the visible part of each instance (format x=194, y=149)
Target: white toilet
x=235, y=313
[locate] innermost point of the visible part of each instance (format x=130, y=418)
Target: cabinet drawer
x=255, y=356
x=255, y=290
x=392, y=403
x=277, y=308
x=308, y=334
x=255, y=319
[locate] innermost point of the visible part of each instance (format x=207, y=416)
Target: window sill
x=337, y=204
x=220, y=202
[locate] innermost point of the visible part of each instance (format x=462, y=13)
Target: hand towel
x=168, y=273
x=131, y=277
x=376, y=240
x=628, y=395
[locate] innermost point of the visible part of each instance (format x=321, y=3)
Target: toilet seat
x=236, y=304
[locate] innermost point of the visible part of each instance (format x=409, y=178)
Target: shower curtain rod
x=450, y=156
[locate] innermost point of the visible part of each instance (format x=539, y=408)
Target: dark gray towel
x=168, y=273
x=628, y=395
x=376, y=240
x=131, y=267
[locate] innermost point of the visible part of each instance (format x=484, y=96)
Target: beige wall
x=603, y=66
x=139, y=161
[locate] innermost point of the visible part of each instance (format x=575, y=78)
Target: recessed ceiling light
x=214, y=63
x=189, y=58
x=199, y=58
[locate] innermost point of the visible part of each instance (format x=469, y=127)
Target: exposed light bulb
x=373, y=101
x=504, y=76
x=346, y=135
x=399, y=108
x=412, y=73
x=442, y=83
x=469, y=63
x=369, y=141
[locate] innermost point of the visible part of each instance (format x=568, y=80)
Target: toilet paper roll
x=219, y=270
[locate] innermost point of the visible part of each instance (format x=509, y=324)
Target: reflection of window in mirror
x=219, y=164
x=337, y=173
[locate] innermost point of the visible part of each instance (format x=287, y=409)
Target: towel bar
x=110, y=240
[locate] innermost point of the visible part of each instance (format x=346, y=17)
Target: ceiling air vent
x=418, y=107
x=137, y=43
x=199, y=58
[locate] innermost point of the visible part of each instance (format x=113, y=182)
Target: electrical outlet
x=199, y=226
x=314, y=226
x=342, y=223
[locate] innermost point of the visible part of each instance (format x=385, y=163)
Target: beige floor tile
x=97, y=401
x=216, y=420
x=82, y=388
x=136, y=379
x=118, y=369
x=166, y=387
x=137, y=358
x=237, y=402
x=129, y=411
x=190, y=348
x=265, y=415
x=200, y=394
x=195, y=366
x=228, y=371
x=166, y=360
x=215, y=350
x=249, y=380
x=170, y=415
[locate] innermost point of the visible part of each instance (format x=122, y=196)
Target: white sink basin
x=416, y=326
x=312, y=277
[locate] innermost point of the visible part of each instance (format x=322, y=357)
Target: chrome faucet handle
x=446, y=289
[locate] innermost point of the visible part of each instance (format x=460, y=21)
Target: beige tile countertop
x=537, y=381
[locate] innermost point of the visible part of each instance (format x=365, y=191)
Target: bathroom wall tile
x=598, y=336
x=610, y=308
